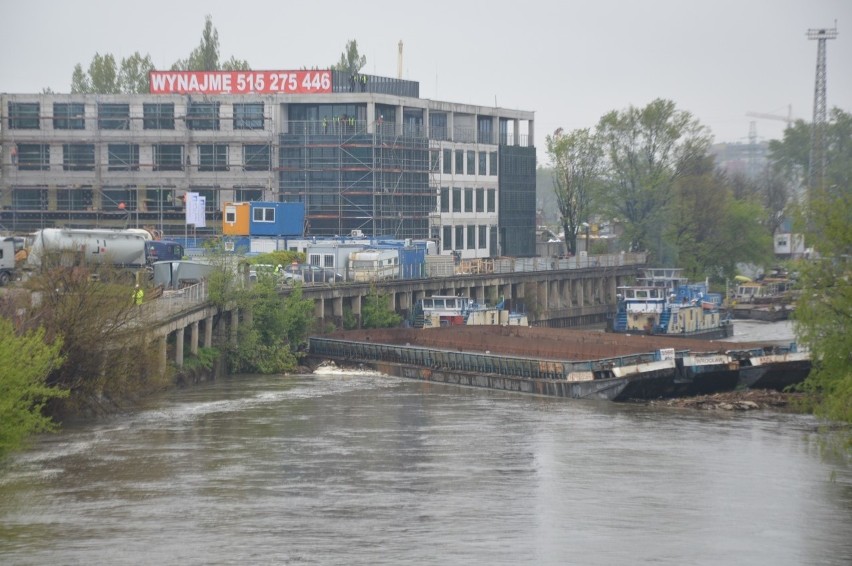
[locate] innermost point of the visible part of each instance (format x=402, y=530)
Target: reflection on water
x=356, y=468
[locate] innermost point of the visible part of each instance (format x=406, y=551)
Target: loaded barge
x=564, y=362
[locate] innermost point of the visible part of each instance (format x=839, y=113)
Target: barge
x=562, y=362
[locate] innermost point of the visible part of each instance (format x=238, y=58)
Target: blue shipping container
x=277, y=219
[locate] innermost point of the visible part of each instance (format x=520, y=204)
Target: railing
x=173, y=302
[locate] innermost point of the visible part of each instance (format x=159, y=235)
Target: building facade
x=366, y=154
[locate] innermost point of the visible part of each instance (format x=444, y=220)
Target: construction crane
x=788, y=118
x=399, y=62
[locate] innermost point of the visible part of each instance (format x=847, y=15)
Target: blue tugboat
x=664, y=303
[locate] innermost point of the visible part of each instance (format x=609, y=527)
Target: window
x=114, y=116
x=24, y=115
x=457, y=200
x=112, y=197
x=69, y=116
x=29, y=199
x=256, y=157
x=33, y=157
x=448, y=161
x=263, y=214
x=123, y=156
x=491, y=200
x=202, y=116
x=230, y=214
x=447, y=237
x=471, y=237
x=483, y=126
x=459, y=162
x=468, y=200
x=459, y=243
x=482, y=169
x=78, y=157
x=158, y=116
x=248, y=116
x=471, y=162
x=483, y=237
x=74, y=198
x=246, y=194
x=438, y=126
x=492, y=163
x=480, y=200
x=213, y=157
x=445, y=199
x=168, y=157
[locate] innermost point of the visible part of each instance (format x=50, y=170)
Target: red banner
x=240, y=82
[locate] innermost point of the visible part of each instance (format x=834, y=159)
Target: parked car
x=312, y=273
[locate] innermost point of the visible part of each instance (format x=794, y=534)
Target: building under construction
x=364, y=153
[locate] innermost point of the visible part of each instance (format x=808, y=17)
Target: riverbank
x=748, y=400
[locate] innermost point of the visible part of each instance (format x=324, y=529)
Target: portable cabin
x=235, y=218
x=277, y=219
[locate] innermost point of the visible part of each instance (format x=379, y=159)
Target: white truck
x=7, y=260
x=120, y=248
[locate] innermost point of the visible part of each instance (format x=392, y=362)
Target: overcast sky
x=569, y=61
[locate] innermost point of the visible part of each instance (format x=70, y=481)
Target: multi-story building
x=363, y=154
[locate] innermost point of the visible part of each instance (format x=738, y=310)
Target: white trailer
x=373, y=265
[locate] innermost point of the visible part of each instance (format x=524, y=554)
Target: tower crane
x=788, y=118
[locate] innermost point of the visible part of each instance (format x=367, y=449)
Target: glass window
x=445, y=199
x=482, y=169
x=158, y=116
x=492, y=163
x=459, y=243
x=483, y=126
x=459, y=162
x=246, y=194
x=471, y=162
x=123, y=156
x=168, y=157
x=114, y=116
x=213, y=157
x=468, y=200
x=69, y=116
x=29, y=199
x=24, y=115
x=447, y=237
x=263, y=214
x=112, y=197
x=492, y=200
x=248, y=116
x=256, y=157
x=471, y=237
x=438, y=126
x=483, y=237
x=202, y=116
x=78, y=157
x=457, y=200
x=33, y=157
x=480, y=200
x=74, y=198
x=448, y=161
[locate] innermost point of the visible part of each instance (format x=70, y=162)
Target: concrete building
x=363, y=153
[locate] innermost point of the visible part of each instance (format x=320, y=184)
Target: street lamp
x=586, y=227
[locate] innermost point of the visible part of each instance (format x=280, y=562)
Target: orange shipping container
x=235, y=218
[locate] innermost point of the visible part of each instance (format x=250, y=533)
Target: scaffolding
x=352, y=178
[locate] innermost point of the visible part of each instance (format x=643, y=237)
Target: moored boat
x=450, y=310
x=664, y=303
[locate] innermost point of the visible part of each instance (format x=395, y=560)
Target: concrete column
x=208, y=332
x=355, y=303
x=235, y=324
x=579, y=294
x=337, y=307
x=531, y=132
x=162, y=343
x=371, y=117
x=319, y=309
x=398, y=125
x=179, y=337
x=193, y=338
x=426, y=128
x=517, y=125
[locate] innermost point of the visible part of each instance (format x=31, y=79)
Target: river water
x=344, y=467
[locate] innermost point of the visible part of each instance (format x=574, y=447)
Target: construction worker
x=325, y=125
x=138, y=295
x=363, y=82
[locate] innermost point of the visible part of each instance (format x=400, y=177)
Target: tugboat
x=663, y=302
x=449, y=310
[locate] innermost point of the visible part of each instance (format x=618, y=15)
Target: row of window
x=469, y=162
x=116, y=116
x=125, y=157
x=111, y=198
x=468, y=200
x=477, y=237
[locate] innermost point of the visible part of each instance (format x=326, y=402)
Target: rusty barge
x=564, y=362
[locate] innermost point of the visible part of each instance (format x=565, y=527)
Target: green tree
x=133, y=75
x=645, y=150
x=376, y=312
x=351, y=62
x=205, y=57
x=576, y=159
x=103, y=74
x=80, y=81
x=27, y=361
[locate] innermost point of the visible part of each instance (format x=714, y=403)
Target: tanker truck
x=119, y=248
